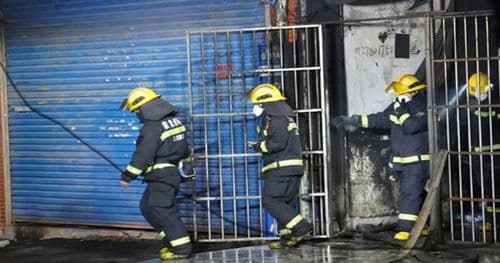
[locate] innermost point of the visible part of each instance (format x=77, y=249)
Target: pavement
x=353, y=249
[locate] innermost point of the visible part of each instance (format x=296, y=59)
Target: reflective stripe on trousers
x=411, y=159
x=292, y=223
x=180, y=241
x=408, y=217
x=490, y=209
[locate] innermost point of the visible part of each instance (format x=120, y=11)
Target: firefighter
x=279, y=143
x=484, y=127
x=160, y=148
x=406, y=118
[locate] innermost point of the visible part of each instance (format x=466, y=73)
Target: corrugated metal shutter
x=75, y=61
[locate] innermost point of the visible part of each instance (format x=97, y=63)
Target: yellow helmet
x=264, y=93
x=405, y=83
x=138, y=97
x=478, y=84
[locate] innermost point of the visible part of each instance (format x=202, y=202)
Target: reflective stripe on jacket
x=161, y=145
x=408, y=125
x=279, y=143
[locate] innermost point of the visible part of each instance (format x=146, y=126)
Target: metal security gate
x=463, y=45
x=223, y=66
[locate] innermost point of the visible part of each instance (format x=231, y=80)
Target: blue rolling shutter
x=75, y=61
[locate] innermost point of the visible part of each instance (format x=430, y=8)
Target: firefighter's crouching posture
x=406, y=118
x=160, y=147
x=280, y=145
x=484, y=127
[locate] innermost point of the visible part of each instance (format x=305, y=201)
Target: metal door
x=466, y=123
x=223, y=65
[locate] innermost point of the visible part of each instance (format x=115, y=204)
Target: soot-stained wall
x=374, y=58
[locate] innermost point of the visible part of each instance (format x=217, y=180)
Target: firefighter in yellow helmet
x=279, y=143
x=406, y=118
x=478, y=86
x=484, y=130
x=160, y=149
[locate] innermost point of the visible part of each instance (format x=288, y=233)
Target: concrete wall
x=370, y=53
x=370, y=66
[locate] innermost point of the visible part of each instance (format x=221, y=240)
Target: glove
x=254, y=145
x=349, y=123
x=124, y=184
x=127, y=176
x=187, y=171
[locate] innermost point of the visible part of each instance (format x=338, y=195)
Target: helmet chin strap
x=124, y=104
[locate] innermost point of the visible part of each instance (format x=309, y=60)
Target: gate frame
x=324, y=103
x=433, y=21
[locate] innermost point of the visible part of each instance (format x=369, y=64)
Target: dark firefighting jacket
x=279, y=141
x=408, y=125
x=484, y=127
x=160, y=145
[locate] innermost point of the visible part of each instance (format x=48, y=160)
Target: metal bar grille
x=223, y=65
x=467, y=123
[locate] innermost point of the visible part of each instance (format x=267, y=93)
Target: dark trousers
x=412, y=179
x=483, y=176
x=160, y=210
x=279, y=196
x=486, y=184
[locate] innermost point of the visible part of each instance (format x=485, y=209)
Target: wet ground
x=339, y=250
